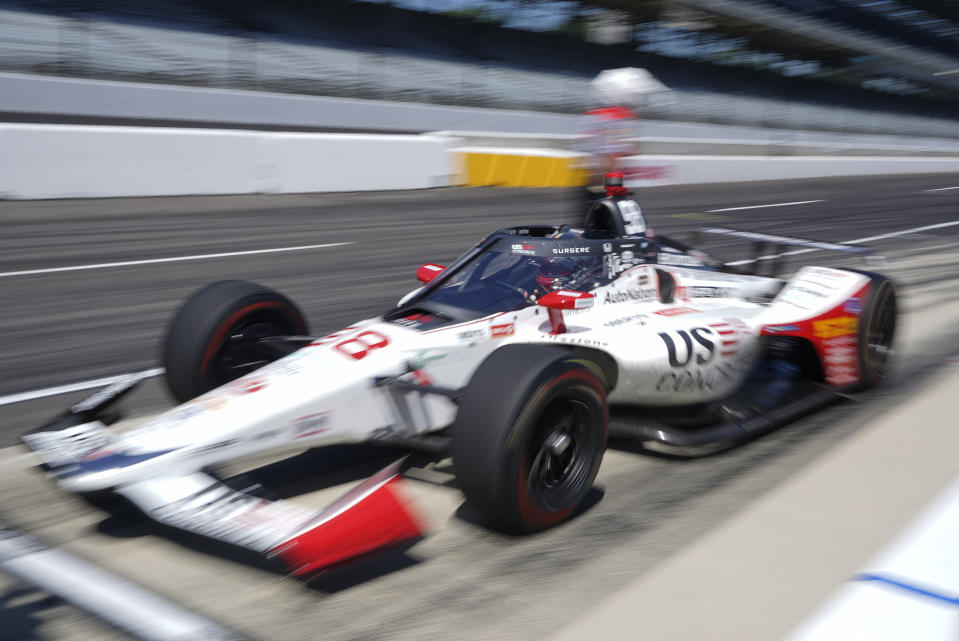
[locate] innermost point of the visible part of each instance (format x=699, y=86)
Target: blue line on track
x=908, y=587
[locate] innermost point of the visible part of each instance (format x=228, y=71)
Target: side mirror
x=428, y=272
x=562, y=299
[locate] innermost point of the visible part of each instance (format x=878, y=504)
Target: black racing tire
x=877, y=330
x=212, y=338
x=530, y=435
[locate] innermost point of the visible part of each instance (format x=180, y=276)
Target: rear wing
x=766, y=249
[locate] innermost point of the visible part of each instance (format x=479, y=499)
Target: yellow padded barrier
x=495, y=169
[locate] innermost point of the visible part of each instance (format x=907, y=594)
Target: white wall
x=68, y=161
x=648, y=171
x=63, y=161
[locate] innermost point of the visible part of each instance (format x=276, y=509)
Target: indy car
x=518, y=360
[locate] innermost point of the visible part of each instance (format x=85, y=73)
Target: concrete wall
x=647, y=171
x=71, y=97
x=63, y=161
x=68, y=161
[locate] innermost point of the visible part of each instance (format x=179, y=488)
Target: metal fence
x=80, y=47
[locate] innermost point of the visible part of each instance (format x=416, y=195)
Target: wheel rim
x=562, y=456
x=880, y=333
x=241, y=352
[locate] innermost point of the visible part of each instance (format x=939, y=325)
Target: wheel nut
x=558, y=443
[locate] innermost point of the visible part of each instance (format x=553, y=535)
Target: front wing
x=371, y=517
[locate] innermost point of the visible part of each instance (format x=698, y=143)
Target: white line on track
x=926, y=191
x=855, y=241
x=173, y=259
x=73, y=387
x=798, y=202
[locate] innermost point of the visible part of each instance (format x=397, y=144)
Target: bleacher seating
x=378, y=51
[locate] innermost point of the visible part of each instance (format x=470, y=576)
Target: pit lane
x=463, y=581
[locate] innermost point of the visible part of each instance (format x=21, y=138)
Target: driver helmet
x=555, y=273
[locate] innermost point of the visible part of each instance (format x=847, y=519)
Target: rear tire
x=530, y=436
x=212, y=338
x=877, y=329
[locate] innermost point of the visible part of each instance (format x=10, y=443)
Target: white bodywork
x=695, y=349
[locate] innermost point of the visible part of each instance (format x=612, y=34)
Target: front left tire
x=213, y=338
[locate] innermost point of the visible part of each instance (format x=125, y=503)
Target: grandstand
x=867, y=66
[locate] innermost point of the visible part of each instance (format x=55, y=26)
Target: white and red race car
x=518, y=360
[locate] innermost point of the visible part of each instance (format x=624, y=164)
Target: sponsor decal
x=853, y=306
x=573, y=339
x=607, y=247
x=833, y=327
x=620, y=262
x=729, y=331
x=773, y=329
x=362, y=344
x=676, y=311
x=714, y=276
x=691, y=355
x=806, y=290
x=471, y=335
x=522, y=248
x=242, y=386
x=702, y=291
x=698, y=341
x=571, y=250
x=422, y=359
x=677, y=259
x=311, y=425
x=267, y=435
x=825, y=273
x=702, y=380
x=616, y=322
x=626, y=294
x=501, y=331
x=186, y=412
x=212, y=404
x=632, y=216
x=413, y=320
x=241, y=519
x=840, y=357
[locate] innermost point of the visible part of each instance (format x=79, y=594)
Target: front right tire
x=530, y=436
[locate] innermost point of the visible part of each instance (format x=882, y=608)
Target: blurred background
x=328, y=149
x=879, y=66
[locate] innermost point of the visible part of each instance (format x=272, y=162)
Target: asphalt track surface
x=464, y=581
